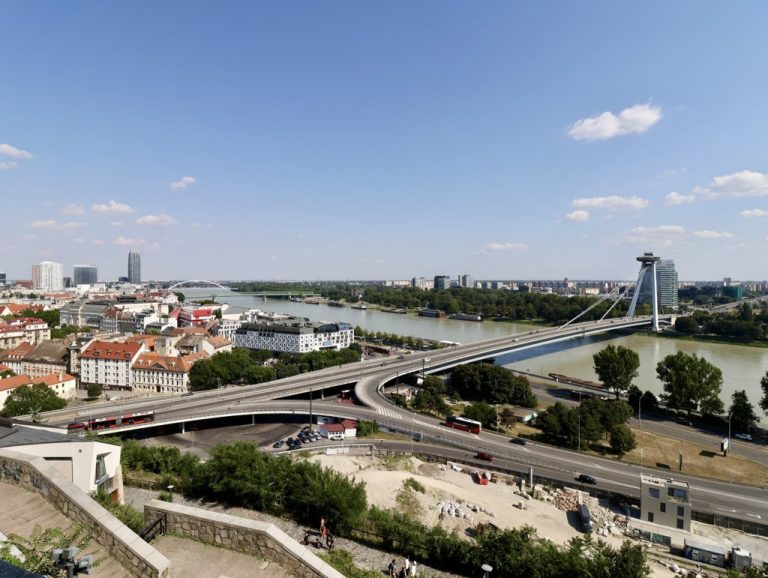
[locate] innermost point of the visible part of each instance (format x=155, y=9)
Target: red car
x=485, y=456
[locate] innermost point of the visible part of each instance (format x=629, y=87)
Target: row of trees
x=240, y=474
x=492, y=303
x=392, y=339
x=690, y=383
x=743, y=324
x=491, y=383
x=244, y=366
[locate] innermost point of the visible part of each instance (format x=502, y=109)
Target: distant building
x=48, y=276
x=294, y=336
x=442, y=282
x=465, y=281
x=161, y=374
x=3, y=279
x=109, y=364
x=734, y=291
x=85, y=274
x=134, y=267
x=665, y=502
x=666, y=283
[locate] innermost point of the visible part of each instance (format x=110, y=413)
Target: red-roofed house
x=63, y=384
x=17, y=308
x=13, y=357
x=109, y=364
x=333, y=431
x=196, y=316
x=161, y=373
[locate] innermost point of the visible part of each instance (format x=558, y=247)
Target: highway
x=709, y=496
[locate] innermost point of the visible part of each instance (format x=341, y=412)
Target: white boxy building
x=294, y=336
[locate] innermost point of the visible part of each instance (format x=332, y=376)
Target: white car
x=745, y=437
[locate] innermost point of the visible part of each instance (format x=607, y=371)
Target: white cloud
x=661, y=229
x=740, y=184
x=10, y=151
x=98, y=242
x=127, y=242
x=578, y=215
x=712, y=235
x=675, y=198
x=183, y=183
x=112, y=208
x=72, y=210
x=8, y=166
x=504, y=247
x=55, y=225
x=633, y=120
x=161, y=219
x=754, y=213
x=116, y=223
x=30, y=237
x=610, y=202
x=659, y=236
x=78, y=240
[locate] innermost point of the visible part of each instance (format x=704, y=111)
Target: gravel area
x=365, y=556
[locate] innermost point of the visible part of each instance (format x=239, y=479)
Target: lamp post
x=579, y=416
x=730, y=415
x=639, y=406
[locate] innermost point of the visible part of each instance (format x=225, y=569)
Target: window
x=653, y=492
x=680, y=511
x=650, y=516
x=663, y=508
x=680, y=523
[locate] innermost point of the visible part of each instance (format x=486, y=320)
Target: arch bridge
x=182, y=283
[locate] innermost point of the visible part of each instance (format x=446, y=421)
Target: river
x=742, y=366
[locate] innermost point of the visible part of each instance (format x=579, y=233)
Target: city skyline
x=334, y=141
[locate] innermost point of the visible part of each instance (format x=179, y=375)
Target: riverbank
x=672, y=334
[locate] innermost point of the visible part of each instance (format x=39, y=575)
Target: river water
x=742, y=366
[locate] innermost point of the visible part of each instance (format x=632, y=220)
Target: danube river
x=742, y=366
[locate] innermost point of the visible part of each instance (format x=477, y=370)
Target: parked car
x=519, y=441
x=485, y=456
x=743, y=436
x=586, y=479
x=278, y=444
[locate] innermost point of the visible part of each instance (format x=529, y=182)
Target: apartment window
x=680, y=511
x=663, y=508
x=650, y=516
x=680, y=523
x=654, y=493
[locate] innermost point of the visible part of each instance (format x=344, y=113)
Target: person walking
x=407, y=566
x=413, y=569
x=391, y=568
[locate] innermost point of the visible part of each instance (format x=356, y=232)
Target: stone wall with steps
x=240, y=534
x=133, y=553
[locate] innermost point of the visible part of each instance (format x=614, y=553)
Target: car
x=586, y=479
x=485, y=456
x=278, y=444
x=743, y=436
x=519, y=441
x=401, y=357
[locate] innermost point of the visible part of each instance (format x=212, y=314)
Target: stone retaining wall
x=242, y=535
x=130, y=551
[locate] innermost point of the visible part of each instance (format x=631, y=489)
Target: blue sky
x=361, y=140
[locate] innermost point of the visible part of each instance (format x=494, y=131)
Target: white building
x=48, y=276
x=62, y=384
x=161, y=374
x=109, y=364
x=294, y=336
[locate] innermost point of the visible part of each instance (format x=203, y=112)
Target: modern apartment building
x=442, y=282
x=134, y=267
x=85, y=274
x=295, y=336
x=48, y=276
x=109, y=364
x=666, y=502
x=666, y=285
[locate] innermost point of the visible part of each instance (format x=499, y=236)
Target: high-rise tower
x=134, y=267
x=48, y=276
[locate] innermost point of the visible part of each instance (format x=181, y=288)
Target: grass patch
x=395, y=463
x=342, y=561
x=415, y=485
x=408, y=503
x=700, y=460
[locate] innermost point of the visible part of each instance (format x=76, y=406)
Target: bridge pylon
x=647, y=264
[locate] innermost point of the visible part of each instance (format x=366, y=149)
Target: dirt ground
x=444, y=487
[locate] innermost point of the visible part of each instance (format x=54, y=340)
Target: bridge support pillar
x=253, y=419
x=183, y=427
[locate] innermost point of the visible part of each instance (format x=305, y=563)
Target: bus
x=100, y=423
x=463, y=423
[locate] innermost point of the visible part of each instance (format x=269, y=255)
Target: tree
x=743, y=416
x=483, y=412
x=690, y=383
x=616, y=367
x=622, y=439
x=31, y=399
x=507, y=417
x=33, y=554
x=764, y=386
x=180, y=296
x=687, y=325
x=94, y=390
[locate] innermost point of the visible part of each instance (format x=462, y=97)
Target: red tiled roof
x=218, y=341
x=18, y=352
x=14, y=382
x=349, y=423
x=54, y=378
x=159, y=362
x=110, y=350
x=333, y=427
x=188, y=331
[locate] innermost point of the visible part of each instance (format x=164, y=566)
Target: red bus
x=99, y=423
x=463, y=423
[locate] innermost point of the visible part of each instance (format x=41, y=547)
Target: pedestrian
x=413, y=569
x=407, y=566
x=322, y=524
x=391, y=568
x=329, y=541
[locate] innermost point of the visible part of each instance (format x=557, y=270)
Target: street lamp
x=423, y=367
x=579, y=416
x=730, y=415
x=639, y=406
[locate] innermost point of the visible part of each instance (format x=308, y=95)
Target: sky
x=384, y=140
